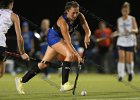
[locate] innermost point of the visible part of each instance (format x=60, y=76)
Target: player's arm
x=86, y=29
x=134, y=25
x=118, y=28
x=32, y=44
x=117, y=32
x=65, y=33
x=20, y=42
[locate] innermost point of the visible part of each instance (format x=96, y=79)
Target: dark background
x=36, y=10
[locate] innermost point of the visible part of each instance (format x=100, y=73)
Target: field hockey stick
x=18, y=56
x=77, y=73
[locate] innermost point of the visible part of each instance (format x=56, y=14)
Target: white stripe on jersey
x=5, y=24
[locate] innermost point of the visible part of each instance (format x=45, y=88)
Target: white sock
x=130, y=68
x=121, y=69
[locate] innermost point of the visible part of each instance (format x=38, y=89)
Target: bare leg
x=49, y=55
x=2, y=69
x=130, y=64
x=63, y=49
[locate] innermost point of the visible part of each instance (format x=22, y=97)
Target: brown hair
x=126, y=5
x=73, y=4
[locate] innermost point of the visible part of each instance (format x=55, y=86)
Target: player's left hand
x=25, y=56
x=87, y=41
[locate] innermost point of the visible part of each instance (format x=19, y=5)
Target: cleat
x=130, y=77
x=66, y=87
x=120, y=79
x=19, y=86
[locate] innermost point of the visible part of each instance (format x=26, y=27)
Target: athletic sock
x=121, y=69
x=130, y=68
x=30, y=74
x=65, y=71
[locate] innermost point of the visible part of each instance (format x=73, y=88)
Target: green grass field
x=98, y=87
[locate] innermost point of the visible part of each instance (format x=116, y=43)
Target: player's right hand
x=80, y=60
x=25, y=56
x=126, y=31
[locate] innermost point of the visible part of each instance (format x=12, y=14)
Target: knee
x=42, y=65
x=69, y=56
x=121, y=59
x=128, y=61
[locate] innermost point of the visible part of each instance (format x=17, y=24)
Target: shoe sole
x=16, y=81
x=130, y=77
x=65, y=90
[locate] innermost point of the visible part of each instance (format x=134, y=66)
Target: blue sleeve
x=31, y=35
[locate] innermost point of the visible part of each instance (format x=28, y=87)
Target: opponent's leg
x=49, y=55
x=121, y=65
x=130, y=65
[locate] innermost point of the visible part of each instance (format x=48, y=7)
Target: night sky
x=36, y=10
x=108, y=10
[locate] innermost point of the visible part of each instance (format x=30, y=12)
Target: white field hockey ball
x=83, y=93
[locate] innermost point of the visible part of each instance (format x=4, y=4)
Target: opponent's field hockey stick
x=18, y=56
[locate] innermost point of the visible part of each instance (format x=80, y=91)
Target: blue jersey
x=27, y=39
x=54, y=34
x=43, y=42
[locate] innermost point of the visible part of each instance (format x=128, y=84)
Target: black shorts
x=2, y=54
x=130, y=49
